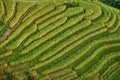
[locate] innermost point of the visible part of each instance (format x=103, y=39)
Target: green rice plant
x=95, y=68
x=58, y=10
x=114, y=75
x=9, y=9
x=106, y=71
x=67, y=42
x=66, y=76
x=45, y=30
x=68, y=24
x=2, y=10
x=96, y=9
x=110, y=58
x=21, y=9
x=59, y=40
x=18, y=41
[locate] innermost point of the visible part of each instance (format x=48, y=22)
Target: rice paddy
x=59, y=40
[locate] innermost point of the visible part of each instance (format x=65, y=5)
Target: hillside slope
x=59, y=40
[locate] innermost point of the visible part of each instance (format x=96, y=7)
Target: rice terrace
x=59, y=39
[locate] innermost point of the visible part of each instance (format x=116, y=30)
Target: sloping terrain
x=59, y=40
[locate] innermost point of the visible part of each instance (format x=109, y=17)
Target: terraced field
x=59, y=40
